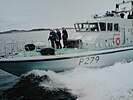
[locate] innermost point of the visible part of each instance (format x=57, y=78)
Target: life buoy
x=117, y=41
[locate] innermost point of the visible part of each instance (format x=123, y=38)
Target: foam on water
x=37, y=85
x=109, y=83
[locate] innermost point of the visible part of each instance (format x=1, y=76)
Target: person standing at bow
x=52, y=37
x=64, y=37
x=58, y=44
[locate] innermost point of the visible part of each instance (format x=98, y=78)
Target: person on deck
x=52, y=38
x=64, y=37
x=58, y=44
x=122, y=14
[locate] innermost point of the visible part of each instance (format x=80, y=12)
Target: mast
x=124, y=2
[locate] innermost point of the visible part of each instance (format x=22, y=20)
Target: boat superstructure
x=107, y=31
x=102, y=41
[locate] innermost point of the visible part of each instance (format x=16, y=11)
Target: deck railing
x=11, y=48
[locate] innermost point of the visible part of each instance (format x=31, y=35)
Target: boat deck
x=69, y=51
x=36, y=53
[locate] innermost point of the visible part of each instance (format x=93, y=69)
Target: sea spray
x=108, y=83
x=35, y=86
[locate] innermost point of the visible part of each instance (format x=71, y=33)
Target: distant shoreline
x=31, y=30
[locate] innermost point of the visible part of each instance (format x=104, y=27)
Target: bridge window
x=85, y=27
x=94, y=26
x=116, y=27
x=102, y=26
x=109, y=26
x=82, y=27
x=76, y=27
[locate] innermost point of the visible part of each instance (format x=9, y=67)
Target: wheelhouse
x=96, y=27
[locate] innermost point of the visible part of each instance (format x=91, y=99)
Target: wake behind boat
x=106, y=39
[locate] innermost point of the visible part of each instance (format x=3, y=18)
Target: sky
x=28, y=14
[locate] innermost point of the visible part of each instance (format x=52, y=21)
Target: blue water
x=6, y=80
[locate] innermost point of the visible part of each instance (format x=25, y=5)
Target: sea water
x=109, y=83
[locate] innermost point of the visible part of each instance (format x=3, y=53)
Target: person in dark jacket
x=52, y=38
x=64, y=37
x=58, y=44
x=122, y=14
x=57, y=40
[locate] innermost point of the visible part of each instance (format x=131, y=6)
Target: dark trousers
x=65, y=43
x=52, y=44
x=58, y=44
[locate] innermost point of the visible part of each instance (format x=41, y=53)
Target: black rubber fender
x=29, y=47
x=47, y=51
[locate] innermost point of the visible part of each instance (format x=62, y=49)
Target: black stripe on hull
x=63, y=58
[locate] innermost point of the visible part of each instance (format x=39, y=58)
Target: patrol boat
x=103, y=41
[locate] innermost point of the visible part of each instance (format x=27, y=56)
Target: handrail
x=10, y=48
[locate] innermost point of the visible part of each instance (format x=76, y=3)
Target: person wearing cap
x=52, y=38
x=58, y=38
x=64, y=37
